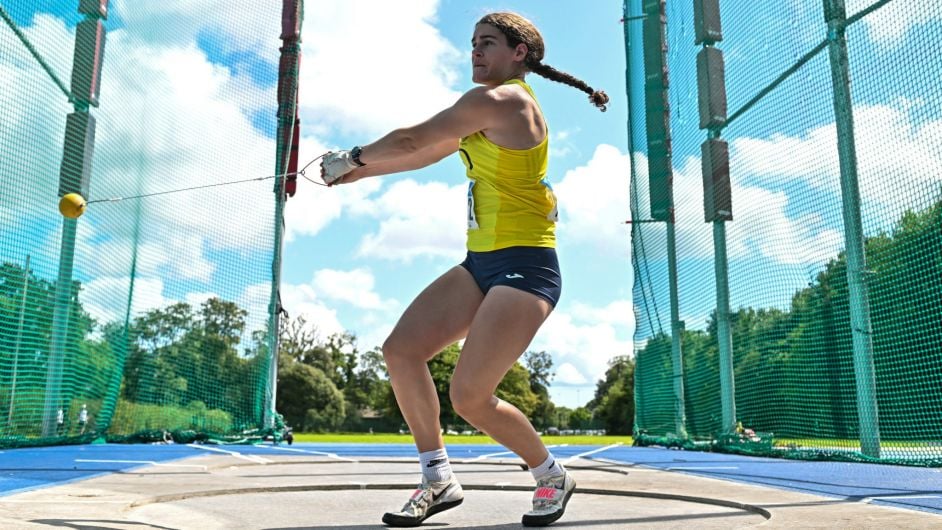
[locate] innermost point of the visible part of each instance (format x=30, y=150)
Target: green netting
x=146, y=317
x=800, y=377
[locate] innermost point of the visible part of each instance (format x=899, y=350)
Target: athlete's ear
x=520, y=52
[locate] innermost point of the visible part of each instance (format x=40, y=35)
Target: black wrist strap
x=355, y=155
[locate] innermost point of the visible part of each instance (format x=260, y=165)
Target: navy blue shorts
x=531, y=269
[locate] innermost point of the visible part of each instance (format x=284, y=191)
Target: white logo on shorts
x=513, y=276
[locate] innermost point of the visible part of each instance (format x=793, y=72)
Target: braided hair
x=519, y=30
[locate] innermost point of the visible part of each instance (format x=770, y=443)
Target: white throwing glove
x=335, y=165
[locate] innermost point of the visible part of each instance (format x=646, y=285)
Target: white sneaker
x=430, y=498
x=549, y=500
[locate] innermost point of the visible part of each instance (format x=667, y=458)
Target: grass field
x=850, y=445
x=382, y=438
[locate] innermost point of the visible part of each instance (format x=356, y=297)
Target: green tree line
x=329, y=385
x=794, y=371
x=26, y=321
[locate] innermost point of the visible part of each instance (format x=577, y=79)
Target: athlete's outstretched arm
x=422, y=158
x=476, y=110
x=415, y=147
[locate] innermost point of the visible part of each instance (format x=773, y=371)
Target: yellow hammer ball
x=72, y=205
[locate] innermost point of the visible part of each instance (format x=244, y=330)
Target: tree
x=177, y=356
x=540, y=366
x=307, y=398
x=356, y=376
x=442, y=366
x=218, y=331
x=580, y=419
x=613, y=404
x=301, y=342
x=515, y=388
x=561, y=417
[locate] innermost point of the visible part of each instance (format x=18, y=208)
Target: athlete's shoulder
x=482, y=95
x=501, y=95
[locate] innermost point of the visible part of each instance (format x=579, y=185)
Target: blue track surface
x=899, y=486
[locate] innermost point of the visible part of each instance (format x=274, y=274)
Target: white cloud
x=302, y=300
x=583, y=340
x=594, y=201
x=560, y=144
x=762, y=223
x=899, y=159
x=340, y=40
x=106, y=298
x=568, y=374
x=33, y=122
x=617, y=313
x=52, y=39
x=418, y=220
x=198, y=135
x=353, y=48
x=355, y=287
x=248, y=28
x=168, y=120
x=787, y=203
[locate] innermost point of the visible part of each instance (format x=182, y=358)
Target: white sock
x=435, y=465
x=549, y=468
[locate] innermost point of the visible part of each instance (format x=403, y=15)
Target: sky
x=188, y=98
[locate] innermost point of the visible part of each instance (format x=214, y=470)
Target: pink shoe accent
x=545, y=493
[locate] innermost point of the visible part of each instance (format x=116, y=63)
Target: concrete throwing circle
x=362, y=506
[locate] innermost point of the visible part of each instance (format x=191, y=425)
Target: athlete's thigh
x=500, y=332
x=440, y=315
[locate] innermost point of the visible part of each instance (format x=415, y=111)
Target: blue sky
x=188, y=99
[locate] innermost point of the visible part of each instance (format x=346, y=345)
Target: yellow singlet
x=509, y=203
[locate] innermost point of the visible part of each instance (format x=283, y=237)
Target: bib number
x=472, y=218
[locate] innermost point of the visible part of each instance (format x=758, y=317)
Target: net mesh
x=796, y=383
x=149, y=316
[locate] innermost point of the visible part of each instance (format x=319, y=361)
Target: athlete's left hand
x=335, y=165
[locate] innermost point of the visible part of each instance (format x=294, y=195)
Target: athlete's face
x=492, y=60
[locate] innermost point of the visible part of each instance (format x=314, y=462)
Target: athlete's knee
x=396, y=350
x=393, y=350
x=469, y=400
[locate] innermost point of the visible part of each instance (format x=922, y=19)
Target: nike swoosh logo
x=439, y=494
x=433, y=463
x=513, y=276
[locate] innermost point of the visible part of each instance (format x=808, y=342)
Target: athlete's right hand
x=335, y=165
